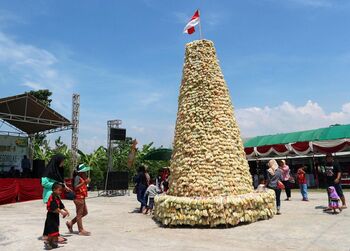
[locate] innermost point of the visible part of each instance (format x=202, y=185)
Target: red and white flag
x=189, y=29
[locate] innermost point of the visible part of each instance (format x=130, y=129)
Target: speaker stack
x=117, y=134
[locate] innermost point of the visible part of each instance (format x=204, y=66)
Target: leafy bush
x=98, y=159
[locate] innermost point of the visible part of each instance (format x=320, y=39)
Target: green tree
x=97, y=160
x=43, y=151
x=121, y=154
x=43, y=95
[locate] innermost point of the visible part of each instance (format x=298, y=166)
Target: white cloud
x=287, y=117
x=23, y=54
x=35, y=68
x=32, y=85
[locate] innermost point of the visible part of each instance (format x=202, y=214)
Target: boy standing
x=151, y=192
x=301, y=174
x=54, y=208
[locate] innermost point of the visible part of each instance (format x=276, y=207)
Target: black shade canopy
x=30, y=115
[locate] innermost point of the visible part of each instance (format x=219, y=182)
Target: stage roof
x=30, y=115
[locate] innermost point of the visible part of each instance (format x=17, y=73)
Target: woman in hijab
x=141, y=186
x=274, y=178
x=333, y=199
x=54, y=173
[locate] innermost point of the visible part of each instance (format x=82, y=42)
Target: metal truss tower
x=110, y=143
x=75, y=127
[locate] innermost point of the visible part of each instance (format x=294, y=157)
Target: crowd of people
x=53, y=187
x=147, y=188
x=279, y=178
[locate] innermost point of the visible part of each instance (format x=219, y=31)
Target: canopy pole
x=315, y=169
x=31, y=150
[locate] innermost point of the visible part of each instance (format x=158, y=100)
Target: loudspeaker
x=38, y=168
x=117, y=134
x=118, y=181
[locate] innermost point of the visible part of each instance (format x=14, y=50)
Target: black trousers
x=287, y=186
x=278, y=197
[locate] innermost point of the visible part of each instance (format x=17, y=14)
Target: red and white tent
x=324, y=140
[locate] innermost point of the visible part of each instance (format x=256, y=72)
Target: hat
x=82, y=168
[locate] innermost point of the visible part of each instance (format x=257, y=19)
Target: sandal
x=62, y=240
x=50, y=245
x=69, y=226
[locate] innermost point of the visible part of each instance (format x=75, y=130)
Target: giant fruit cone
x=210, y=182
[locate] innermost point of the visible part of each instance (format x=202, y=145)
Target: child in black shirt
x=54, y=208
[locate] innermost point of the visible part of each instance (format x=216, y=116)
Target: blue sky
x=286, y=61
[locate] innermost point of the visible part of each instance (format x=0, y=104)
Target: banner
x=12, y=151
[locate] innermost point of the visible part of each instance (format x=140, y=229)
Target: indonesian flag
x=189, y=29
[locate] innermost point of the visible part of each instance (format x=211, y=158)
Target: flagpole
x=200, y=26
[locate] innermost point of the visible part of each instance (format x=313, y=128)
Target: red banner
x=8, y=191
x=18, y=190
x=29, y=189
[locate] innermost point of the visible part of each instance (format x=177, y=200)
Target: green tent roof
x=159, y=154
x=328, y=133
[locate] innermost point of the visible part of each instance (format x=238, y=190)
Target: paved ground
x=302, y=226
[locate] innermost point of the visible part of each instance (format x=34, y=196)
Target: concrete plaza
x=114, y=226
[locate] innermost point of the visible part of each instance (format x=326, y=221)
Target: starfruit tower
x=210, y=183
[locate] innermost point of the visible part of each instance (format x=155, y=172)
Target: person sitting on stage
x=52, y=223
x=25, y=164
